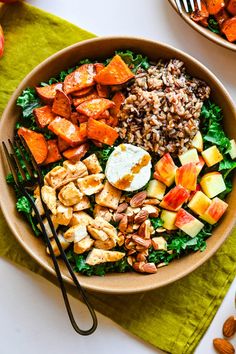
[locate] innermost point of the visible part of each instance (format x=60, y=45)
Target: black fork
x=24, y=184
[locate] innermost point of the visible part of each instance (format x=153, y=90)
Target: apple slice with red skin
x=186, y=176
x=188, y=223
x=215, y=211
x=165, y=170
x=175, y=198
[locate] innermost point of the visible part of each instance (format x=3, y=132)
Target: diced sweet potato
x=102, y=90
x=62, y=144
x=221, y=17
x=53, y=152
x=229, y=29
x=118, y=99
x=200, y=15
x=76, y=153
x=115, y=73
x=99, y=67
x=83, y=92
x=47, y=93
x=78, y=100
x=43, y=116
x=101, y=132
x=95, y=107
x=80, y=78
x=61, y=105
x=231, y=7
x=68, y=131
x=36, y=143
x=104, y=115
x=214, y=6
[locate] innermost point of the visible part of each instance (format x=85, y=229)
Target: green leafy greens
x=213, y=25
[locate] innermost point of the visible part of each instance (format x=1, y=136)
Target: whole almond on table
x=229, y=327
x=223, y=346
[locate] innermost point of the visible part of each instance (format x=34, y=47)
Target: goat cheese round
x=128, y=167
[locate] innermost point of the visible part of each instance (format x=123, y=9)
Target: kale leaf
x=156, y=222
x=213, y=25
x=28, y=100
x=23, y=206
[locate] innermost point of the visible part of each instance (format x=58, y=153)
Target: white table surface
x=32, y=315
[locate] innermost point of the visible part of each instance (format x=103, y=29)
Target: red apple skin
x=192, y=193
x=1, y=41
x=175, y=198
x=215, y=211
x=200, y=164
x=186, y=176
x=183, y=218
x=165, y=169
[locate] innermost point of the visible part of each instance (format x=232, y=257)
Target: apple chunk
x=156, y=189
x=188, y=223
x=212, y=184
x=189, y=156
x=168, y=218
x=200, y=164
x=214, y=211
x=165, y=170
x=212, y=156
x=175, y=198
x=197, y=142
x=232, y=150
x=186, y=176
x=199, y=203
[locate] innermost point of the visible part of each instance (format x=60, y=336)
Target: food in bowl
x=219, y=16
x=169, y=192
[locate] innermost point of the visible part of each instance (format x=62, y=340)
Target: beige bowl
x=204, y=31
x=103, y=48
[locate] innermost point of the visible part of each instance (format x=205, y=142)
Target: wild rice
x=162, y=108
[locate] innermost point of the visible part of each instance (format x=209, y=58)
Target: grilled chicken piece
x=83, y=204
x=63, y=215
x=103, y=212
x=109, y=196
x=75, y=169
x=39, y=206
x=56, y=177
x=47, y=227
x=50, y=199
x=83, y=245
x=64, y=243
x=70, y=195
x=91, y=184
x=76, y=233
x=92, y=164
x=80, y=217
x=97, y=256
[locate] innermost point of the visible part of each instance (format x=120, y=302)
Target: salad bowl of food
x=216, y=21
x=135, y=140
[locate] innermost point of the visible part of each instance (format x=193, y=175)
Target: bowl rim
x=213, y=37
x=7, y=214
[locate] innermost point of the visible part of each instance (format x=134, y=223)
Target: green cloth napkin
x=173, y=318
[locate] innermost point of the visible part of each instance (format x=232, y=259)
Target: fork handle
x=59, y=275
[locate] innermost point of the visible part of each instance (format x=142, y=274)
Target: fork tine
x=13, y=154
x=27, y=165
x=178, y=4
x=10, y=164
x=186, y=5
x=199, y=5
x=192, y=4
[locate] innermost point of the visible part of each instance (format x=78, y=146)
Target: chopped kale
x=213, y=25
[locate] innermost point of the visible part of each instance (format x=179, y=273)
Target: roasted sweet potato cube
x=115, y=73
x=99, y=67
x=118, y=99
x=61, y=105
x=53, y=152
x=68, y=131
x=229, y=29
x=82, y=92
x=80, y=78
x=62, y=144
x=200, y=15
x=231, y=7
x=36, y=143
x=43, y=116
x=95, y=107
x=214, y=6
x=78, y=100
x=76, y=153
x=101, y=132
x=102, y=90
x=47, y=93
